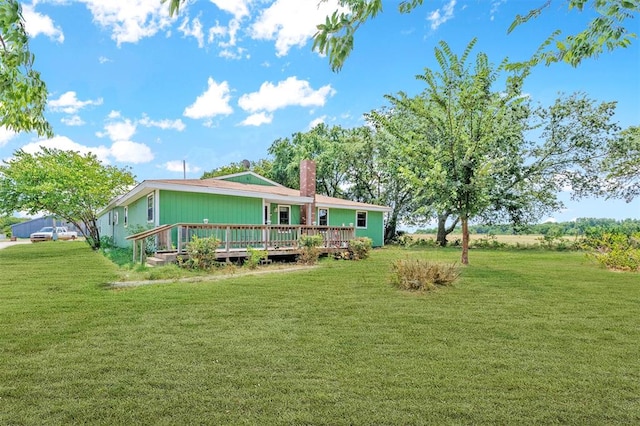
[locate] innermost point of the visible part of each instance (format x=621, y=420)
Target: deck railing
x=237, y=238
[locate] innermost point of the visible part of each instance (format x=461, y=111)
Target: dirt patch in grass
x=212, y=277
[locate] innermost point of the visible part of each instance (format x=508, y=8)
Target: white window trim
x=287, y=206
x=153, y=208
x=126, y=216
x=327, y=210
x=366, y=219
x=116, y=217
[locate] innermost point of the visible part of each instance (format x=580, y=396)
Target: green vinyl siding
x=189, y=207
x=374, y=229
x=250, y=179
x=116, y=231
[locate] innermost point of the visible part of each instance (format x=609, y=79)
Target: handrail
x=238, y=237
x=148, y=232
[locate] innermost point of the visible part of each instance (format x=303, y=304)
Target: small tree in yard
x=65, y=183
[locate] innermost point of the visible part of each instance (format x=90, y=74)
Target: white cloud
x=177, y=166
x=440, y=16
x=257, y=119
x=194, y=30
x=291, y=22
x=238, y=8
x=66, y=144
x=162, y=124
x=104, y=59
x=6, y=135
x=131, y=152
x=121, y=151
x=214, y=101
x=289, y=92
x=70, y=104
x=114, y=114
x=73, y=120
x=317, y=121
x=130, y=20
x=37, y=23
x=118, y=131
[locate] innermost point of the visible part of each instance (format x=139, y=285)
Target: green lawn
x=523, y=337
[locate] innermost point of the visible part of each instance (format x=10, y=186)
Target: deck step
x=155, y=261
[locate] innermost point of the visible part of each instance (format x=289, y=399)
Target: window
x=115, y=218
x=284, y=215
x=150, y=206
x=361, y=219
x=323, y=217
x=126, y=216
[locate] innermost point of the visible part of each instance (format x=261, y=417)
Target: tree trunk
x=441, y=237
x=465, y=240
x=390, y=229
x=443, y=231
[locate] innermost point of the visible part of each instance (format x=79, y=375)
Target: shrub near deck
x=522, y=337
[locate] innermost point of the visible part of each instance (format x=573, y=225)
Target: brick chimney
x=308, y=189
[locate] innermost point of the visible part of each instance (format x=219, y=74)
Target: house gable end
x=248, y=178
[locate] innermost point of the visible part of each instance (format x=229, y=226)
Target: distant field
x=507, y=239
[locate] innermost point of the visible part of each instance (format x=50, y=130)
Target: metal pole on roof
x=184, y=169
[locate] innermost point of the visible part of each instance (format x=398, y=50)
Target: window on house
x=150, y=205
x=323, y=217
x=284, y=214
x=115, y=218
x=361, y=219
x=126, y=216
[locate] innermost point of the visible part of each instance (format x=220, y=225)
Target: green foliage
x=604, y=32
x=255, y=257
x=262, y=167
x=621, y=165
x=201, y=254
x=422, y=275
x=615, y=250
x=23, y=95
x=309, y=249
x=65, y=183
x=7, y=221
x=488, y=242
x=360, y=248
x=335, y=36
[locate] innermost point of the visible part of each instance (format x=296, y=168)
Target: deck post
x=135, y=246
x=228, y=238
x=179, y=238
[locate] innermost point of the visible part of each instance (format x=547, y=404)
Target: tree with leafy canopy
x=23, y=95
x=335, y=37
x=262, y=167
x=621, y=166
x=327, y=146
x=468, y=156
x=474, y=135
x=64, y=183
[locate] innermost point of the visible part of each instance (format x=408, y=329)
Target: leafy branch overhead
x=335, y=36
x=23, y=94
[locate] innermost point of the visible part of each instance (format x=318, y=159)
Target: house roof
x=275, y=194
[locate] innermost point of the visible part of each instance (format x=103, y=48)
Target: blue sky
x=224, y=79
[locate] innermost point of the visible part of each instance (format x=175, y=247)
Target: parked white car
x=46, y=234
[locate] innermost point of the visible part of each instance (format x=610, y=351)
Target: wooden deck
x=234, y=240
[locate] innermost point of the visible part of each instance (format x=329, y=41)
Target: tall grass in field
x=523, y=337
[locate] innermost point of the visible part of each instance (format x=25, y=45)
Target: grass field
x=523, y=337
x=523, y=240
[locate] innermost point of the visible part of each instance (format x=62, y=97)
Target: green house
x=237, y=200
